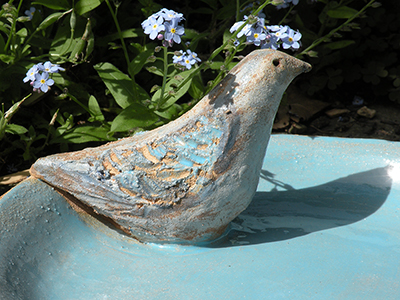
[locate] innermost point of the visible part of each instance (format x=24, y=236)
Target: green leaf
x=83, y=134
x=95, y=110
x=119, y=84
x=63, y=44
x=155, y=70
x=15, y=129
x=78, y=48
x=196, y=89
x=6, y=58
x=217, y=65
x=171, y=113
x=139, y=61
x=226, y=36
x=176, y=81
x=339, y=44
x=89, y=46
x=54, y=4
x=129, y=33
x=13, y=109
x=343, y=12
x=49, y=20
x=26, y=51
x=84, y=6
x=133, y=116
x=22, y=33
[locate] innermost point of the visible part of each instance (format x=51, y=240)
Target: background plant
x=118, y=80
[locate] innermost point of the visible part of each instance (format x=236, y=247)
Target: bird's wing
x=168, y=168
x=157, y=173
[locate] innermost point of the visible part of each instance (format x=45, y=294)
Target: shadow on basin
x=280, y=215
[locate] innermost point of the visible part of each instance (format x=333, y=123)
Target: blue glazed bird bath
x=324, y=224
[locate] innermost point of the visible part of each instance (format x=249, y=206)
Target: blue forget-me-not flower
x=42, y=82
x=173, y=31
x=169, y=14
x=30, y=12
x=30, y=75
x=291, y=40
x=153, y=27
x=49, y=67
x=38, y=75
x=257, y=36
x=271, y=37
x=186, y=59
x=193, y=55
x=165, y=26
x=178, y=57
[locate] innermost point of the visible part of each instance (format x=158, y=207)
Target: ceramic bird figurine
x=185, y=181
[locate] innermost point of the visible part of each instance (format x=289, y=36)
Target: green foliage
x=117, y=81
x=359, y=59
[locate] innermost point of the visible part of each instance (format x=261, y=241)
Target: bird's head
x=264, y=75
x=258, y=81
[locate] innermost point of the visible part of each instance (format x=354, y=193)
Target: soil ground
x=306, y=116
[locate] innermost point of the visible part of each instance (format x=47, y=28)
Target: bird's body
x=184, y=181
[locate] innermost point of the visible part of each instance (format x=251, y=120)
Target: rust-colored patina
x=185, y=181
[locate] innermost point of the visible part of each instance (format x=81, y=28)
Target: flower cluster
x=38, y=75
x=257, y=33
x=185, y=58
x=164, y=25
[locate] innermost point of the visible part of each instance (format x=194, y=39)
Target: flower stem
x=220, y=75
x=165, y=73
x=237, y=10
x=287, y=14
x=13, y=29
x=119, y=32
x=114, y=16
x=51, y=124
x=76, y=100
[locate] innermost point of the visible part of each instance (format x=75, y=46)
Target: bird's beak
x=306, y=67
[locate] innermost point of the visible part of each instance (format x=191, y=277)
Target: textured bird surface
x=185, y=181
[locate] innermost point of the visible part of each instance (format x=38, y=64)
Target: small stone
x=282, y=119
x=297, y=129
x=366, y=112
x=337, y=112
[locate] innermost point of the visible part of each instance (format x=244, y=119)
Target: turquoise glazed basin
x=324, y=224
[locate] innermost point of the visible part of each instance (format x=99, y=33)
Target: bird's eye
x=276, y=62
